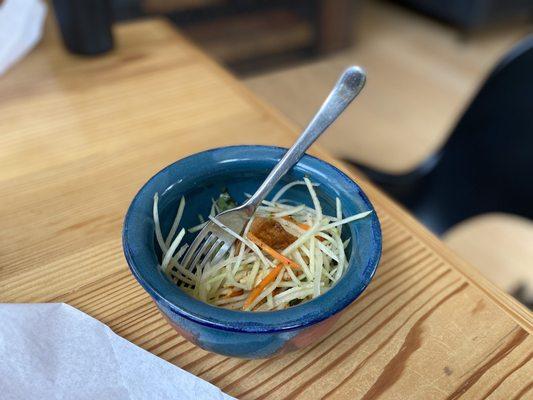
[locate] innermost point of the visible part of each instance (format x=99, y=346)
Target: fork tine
x=212, y=250
x=195, y=246
x=221, y=252
x=203, y=249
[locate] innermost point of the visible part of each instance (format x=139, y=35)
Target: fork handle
x=346, y=89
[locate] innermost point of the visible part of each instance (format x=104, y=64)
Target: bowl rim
x=297, y=317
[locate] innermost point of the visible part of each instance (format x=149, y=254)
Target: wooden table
x=79, y=136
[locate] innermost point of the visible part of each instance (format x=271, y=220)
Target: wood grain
x=80, y=136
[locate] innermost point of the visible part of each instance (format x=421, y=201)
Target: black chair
x=487, y=163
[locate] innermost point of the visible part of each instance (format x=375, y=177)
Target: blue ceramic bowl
x=241, y=169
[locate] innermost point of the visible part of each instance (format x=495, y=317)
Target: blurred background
x=445, y=124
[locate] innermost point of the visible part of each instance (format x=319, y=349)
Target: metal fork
x=214, y=241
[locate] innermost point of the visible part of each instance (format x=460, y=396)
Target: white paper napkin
x=21, y=28
x=54, y=351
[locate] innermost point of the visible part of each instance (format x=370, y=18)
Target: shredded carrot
x=270, y=251
x=305, y=227
x=259, y=305
x=272, y=275
x=234, y=293
x=256, y=291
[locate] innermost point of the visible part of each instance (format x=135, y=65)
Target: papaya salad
x=288, y=254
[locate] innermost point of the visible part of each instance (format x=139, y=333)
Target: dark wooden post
x=335, y=20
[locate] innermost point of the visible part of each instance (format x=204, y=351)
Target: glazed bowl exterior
x=240, y=170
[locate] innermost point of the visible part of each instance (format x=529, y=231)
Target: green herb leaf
x=225, y=201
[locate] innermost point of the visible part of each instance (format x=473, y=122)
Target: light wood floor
x=420, y=76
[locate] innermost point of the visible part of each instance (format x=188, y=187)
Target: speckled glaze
x=241, y=169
